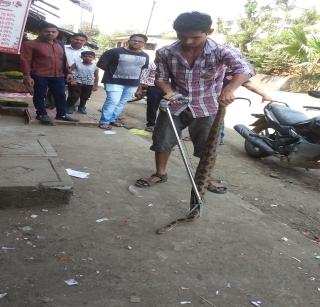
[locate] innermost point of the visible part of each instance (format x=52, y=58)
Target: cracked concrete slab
x=32, y=174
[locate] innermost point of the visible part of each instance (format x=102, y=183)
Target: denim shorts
x=199, y=128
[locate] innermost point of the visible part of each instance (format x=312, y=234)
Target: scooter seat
x=287, y=116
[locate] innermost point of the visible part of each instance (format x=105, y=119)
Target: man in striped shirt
x=193, y=69
x=153, y=93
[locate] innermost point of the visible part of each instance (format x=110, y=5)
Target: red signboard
x=13, y=17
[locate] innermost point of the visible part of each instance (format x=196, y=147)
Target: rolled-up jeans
x=117, y=97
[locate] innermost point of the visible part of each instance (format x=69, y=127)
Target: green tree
x=256, y=20
x=308, y=18
x=302, y=47
x=105, y=42
x=264, y=37
x=220, y=26
x=92, y=31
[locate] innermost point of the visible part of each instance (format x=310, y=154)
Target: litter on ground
x=134, y=299
x=102, y=220
x=77, y=174
x=110, y=132
x=139, y=132
x=71, y=282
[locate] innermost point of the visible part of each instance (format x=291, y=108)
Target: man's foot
x=215, y=186
x=67, y=118
x=105, y=126
x=149, y=128
x=152, y=180
x=45, y=120
x=82, y=110
x=117, y=124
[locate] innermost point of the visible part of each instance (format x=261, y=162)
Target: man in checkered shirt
x=190, y=72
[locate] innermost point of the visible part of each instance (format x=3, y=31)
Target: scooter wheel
x=253, y=151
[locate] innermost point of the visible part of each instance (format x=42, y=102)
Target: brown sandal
x=117, y=124
x=215, y=186
x=147, y=183
x=105, y=126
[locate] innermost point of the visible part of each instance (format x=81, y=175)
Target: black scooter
x=286, y=133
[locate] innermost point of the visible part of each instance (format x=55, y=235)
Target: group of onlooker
x=48, y=64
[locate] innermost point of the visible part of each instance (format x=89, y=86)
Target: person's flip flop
x=217, y=187
x=147, y=183
x=117, y=124
x=105, y=126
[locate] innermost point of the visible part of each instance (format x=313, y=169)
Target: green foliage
x=308, y=18
x=264, y=37
x=267, y=56
x=255, y=21
x=303, y=83
x=303, y=48
x=105, y=42
x=92, y=31
x=219, y=27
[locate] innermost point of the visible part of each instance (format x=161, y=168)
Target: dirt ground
x=258, y=242
x=288, y=194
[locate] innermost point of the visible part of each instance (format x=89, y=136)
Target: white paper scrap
x=102, y=220
x=109, y=132
x=77, y=174
x=33, y=216
x=2, y=295
x=185, y=302
x=71, y=282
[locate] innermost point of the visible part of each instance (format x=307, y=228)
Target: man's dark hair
x=145, y=38
x=88, y=52
x=46, y=25
x=80, y=34
x=193, y=21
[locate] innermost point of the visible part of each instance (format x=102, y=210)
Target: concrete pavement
x=31, y=171
x=233, y=255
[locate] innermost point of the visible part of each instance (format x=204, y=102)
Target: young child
x=85, y=80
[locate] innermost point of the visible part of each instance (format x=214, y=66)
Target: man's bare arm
x=251, y=86
x=227, y=94
x=166, y=87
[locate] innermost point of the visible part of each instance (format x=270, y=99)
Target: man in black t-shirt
x=122, y=69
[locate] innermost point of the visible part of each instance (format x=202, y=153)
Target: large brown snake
x=203, y=173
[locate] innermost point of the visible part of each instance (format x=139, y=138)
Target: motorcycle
x=285, y=133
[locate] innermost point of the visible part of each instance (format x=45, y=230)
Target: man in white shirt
x=73, y=51
x=73, y=54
